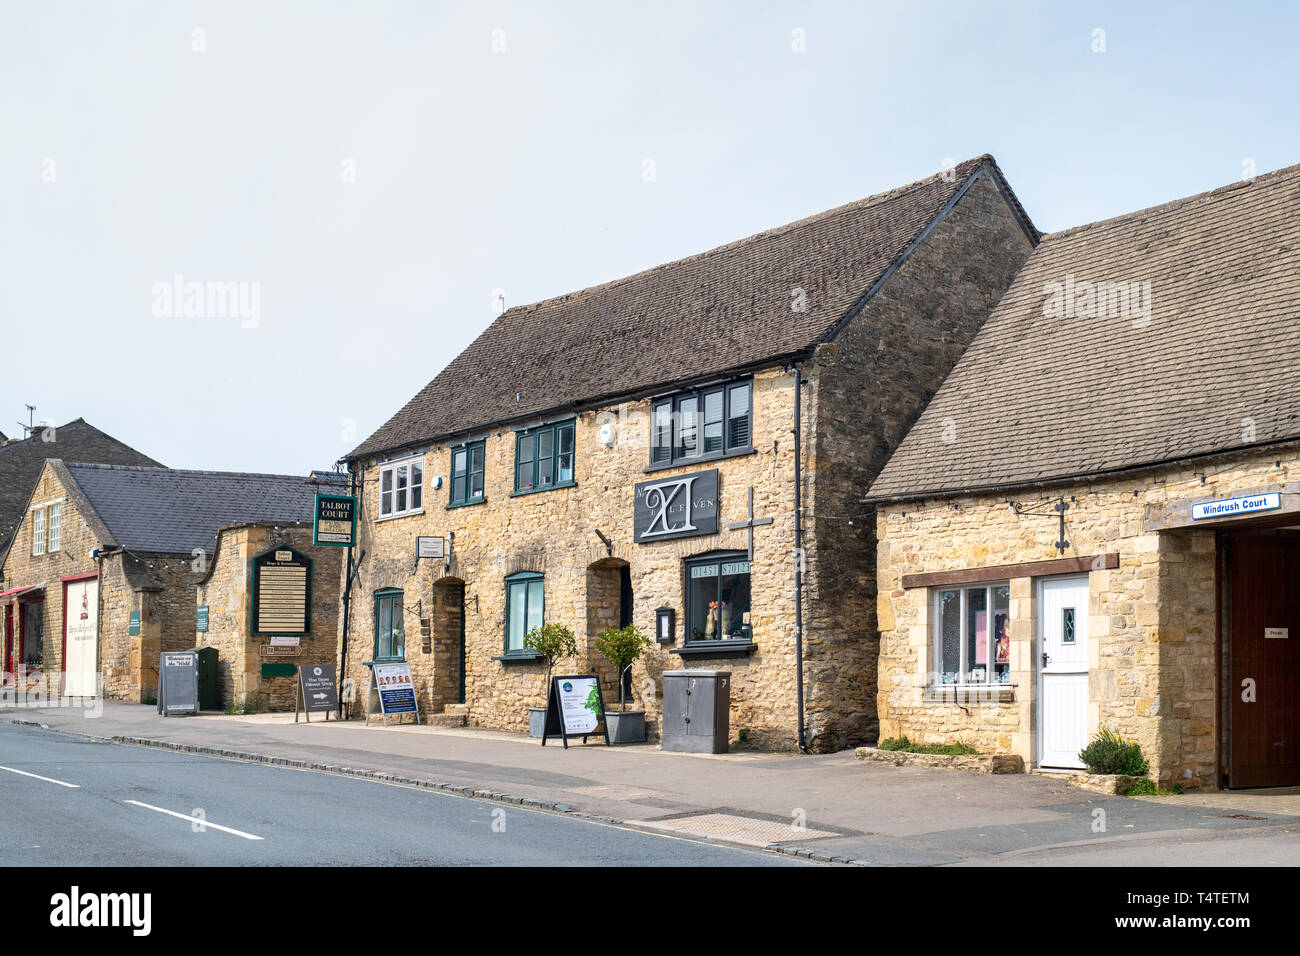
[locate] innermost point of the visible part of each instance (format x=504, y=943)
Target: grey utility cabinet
x=697, y=710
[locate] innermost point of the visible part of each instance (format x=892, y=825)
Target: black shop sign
x=677, y=507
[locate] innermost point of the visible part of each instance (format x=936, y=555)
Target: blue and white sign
x=1232, y=507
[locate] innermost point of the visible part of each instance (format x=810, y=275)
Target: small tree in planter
x=553, y=643
x=622, y=647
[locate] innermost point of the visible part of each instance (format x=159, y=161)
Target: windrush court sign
x=1232, y=507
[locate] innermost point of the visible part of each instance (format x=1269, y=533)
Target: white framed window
x=53, y=531
x=401, y=488
x=972, y=634
x=38, y=531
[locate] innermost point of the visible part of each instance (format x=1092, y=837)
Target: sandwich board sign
x=317, y=692
x=396, y=690
x=575, y=708
x=178, y=683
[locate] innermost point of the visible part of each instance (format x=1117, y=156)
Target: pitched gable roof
x=719, y=311
x=168, y=511
x=21, y=463
x=1211, y=369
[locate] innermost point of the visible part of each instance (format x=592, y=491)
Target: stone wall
x=553, y=532
x=862, y=393
x=226, y=590
x=1152, y=625
x=161, y=587
x=129, y=662
x=869, y=385
x=22, y=568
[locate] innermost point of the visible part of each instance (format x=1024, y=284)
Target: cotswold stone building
x=22, y=607
x=1096, y=522
x=258, y=660
x=686, y=449
x=21, y=461
x=116, y=553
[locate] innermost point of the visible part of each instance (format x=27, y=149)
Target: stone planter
x=1104, y=782
x=627, y=727
x=536, y=721
x=979, y=763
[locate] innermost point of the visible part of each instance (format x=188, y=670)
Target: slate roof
x=1038, y=398
x=21, y=463
x=169, y=511
x=719, y=311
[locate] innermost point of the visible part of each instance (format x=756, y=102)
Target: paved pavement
x=74, y=801
x=831, y=805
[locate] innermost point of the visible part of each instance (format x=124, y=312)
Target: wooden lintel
x=1003, y=572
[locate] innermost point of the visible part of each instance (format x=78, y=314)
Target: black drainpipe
x=798, y=554
x=347, y=593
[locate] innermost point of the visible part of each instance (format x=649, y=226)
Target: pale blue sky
x=522, y=170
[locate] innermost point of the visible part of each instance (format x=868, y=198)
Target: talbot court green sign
x=335, y=521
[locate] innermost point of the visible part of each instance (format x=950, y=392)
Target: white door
x=80, y=619
x=1063, y=671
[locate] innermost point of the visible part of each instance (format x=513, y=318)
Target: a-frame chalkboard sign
x=575, y=708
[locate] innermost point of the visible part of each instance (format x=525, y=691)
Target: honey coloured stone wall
x=860, y=394
x=1153, y=674
x=226, y=591
x=554, y=532
x=22, y=568
x=161, y=588
x=869, y=385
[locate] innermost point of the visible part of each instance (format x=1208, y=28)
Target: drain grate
x=735, y=829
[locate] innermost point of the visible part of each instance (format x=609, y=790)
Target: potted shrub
x=622, y=647
x=553, y=643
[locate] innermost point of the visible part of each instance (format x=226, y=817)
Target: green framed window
x=707, y=423
x=467, y=466
x=390, y=630
x=544, y=457
x=718, y=597
x=525, y=608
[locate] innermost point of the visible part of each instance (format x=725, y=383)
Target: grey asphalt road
x=136, y=806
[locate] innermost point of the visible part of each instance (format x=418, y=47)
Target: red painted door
x=8, y=666
x=1264, y=659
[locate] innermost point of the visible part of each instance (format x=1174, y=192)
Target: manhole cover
x=735, y=829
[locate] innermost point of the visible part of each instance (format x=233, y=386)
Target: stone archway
x=609, y=604
x=447, y=639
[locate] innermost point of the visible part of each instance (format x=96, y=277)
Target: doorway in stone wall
x=1262, y=600
x=448, y=637
x=609, y=604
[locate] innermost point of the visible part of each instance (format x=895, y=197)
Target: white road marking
x=195, y=820
x=74, y=786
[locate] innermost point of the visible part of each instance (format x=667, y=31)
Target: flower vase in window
x=711, y=627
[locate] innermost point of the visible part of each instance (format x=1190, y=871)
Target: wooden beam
x=1002, y=572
